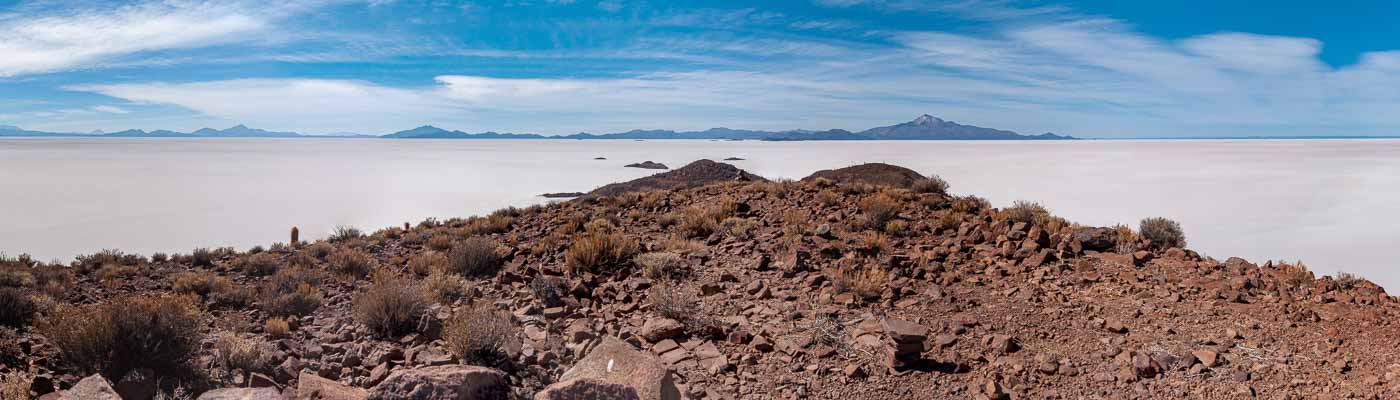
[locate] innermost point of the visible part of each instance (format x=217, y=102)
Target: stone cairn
x=904, y=343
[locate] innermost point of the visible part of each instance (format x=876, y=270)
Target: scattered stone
x=93, y=387
x=442, y=382
x=313, y=387
x=904, y=343
x=658, y=329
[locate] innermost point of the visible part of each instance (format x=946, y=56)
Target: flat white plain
x=1331, y=203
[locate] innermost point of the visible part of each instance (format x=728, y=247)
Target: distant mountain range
x=926, y=127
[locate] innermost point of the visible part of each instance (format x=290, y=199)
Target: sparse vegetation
x=277, y=327
x=160, y=333
x=445, y=287
x=478, y=335
x=291, y=292
x=1163, y=233
x=393, y=306
x=600, y=252
x=866, y=283
x=351, y=263
x=474, y=257
x=547, y=291
x=238, y=353
x=879, y=210
x=344, y=233
x=497, y=222
x=661, y=265
x=260, y=264
x=202, y=257
x=426, y=262
x=1028, y=212
x=16, y=308
x=699, y=222
x=15, y=385
x=932, y=184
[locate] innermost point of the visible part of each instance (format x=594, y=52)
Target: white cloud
x=1090, y=77
x=110, y=110
x=40, y=40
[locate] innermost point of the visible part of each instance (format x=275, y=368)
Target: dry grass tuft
x=478, y=335
x=160, y=333
x=1295, y=274
x=497, y=222
x=872, y=243
x=932, y=184
x=828, y=198
x=474, y=257
x=662, y=265
x=393, y=306
x=260, y=264
x=292, y=292
x=15, y=385
x=426, y=262
x=277, y=327
x=445, y=287
x=237, y=353
x=971, y=204
x=698, y=222
x=1164, y=233
x=351, y=263
x=880, y=209
x=441, y=242
x=599, y=252
x=866, y=283
x=1028, y=212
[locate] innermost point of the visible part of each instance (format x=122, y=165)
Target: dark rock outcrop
x=647, y=165
x=872, y=173
x=695, y=174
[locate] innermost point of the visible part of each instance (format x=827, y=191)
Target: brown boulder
x=93, y=387
x=611, y=366
x=1096, y=239
x=242, y=394
x=659, y=329
x=460, y=382
x=313, y=387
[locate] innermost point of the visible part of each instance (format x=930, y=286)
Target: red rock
x=442, y=382
x=312, y=387
x=614, y=368
x=242, y=394
x=658, y=329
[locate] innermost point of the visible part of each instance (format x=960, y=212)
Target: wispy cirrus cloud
x=42, y=37
x=1092, y=77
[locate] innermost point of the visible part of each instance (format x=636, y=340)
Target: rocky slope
x=719, y=288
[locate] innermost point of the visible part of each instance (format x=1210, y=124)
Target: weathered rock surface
x=615, y=368
x=459, y=382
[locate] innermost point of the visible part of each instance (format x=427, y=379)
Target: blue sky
x=1090, y=68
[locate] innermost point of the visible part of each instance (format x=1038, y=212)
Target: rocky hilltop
x=703, y=282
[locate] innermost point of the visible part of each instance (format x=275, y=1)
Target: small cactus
x=296, y=235
x=406, y=227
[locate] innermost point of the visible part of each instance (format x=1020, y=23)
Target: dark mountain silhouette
x=926, y=127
